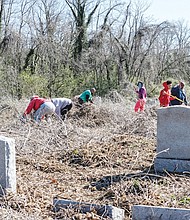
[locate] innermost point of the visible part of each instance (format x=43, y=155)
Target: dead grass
x=102, y=154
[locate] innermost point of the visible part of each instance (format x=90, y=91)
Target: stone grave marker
x=173, y=139
x=7, y=165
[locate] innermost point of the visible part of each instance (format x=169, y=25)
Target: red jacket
x=34, y=104
x=165, y=97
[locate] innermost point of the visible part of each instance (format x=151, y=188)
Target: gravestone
x=103, y=210
x=173, y=139
x=7, y=165
x=143, y=212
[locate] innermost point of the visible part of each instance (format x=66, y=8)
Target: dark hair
x=141, y=83
x=182, y=84
x=168, y=82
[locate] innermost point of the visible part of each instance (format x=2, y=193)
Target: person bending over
x=86, y=96
x=62, y=106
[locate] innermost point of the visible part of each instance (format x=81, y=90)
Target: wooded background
x=59, y=48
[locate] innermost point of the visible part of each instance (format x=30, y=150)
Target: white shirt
x=60, y=103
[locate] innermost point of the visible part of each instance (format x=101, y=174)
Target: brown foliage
x=102, y=154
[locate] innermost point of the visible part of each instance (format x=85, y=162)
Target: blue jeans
x=47, y=108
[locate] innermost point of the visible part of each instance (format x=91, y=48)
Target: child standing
x=165, y=93
x=141, y=92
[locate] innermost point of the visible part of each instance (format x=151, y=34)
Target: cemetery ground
x=102, y=154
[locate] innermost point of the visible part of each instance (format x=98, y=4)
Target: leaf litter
x=102, y=154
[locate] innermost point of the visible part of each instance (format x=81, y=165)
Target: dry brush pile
x=102, y=154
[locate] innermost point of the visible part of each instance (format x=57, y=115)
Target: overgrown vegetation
x=103, y=154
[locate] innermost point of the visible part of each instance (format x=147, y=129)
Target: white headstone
x=7, y=165
x=173, y=132
x=143, y=212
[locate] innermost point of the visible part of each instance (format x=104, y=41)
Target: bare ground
x=103, y=154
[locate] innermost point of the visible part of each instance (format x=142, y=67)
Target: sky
x=170, y=10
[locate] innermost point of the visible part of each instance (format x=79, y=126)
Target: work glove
x=23, y=118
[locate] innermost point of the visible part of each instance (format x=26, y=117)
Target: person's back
x=34, y=104
x=62, y=106
x=86, y=96
x=177, y=91
x=44, y=111
x=61, y=102
x=41, y=106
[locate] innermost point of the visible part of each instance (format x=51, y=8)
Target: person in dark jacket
x=178, y=92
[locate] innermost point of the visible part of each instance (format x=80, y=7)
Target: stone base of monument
x=102, y=210
x=172, y=165
x=142, y=212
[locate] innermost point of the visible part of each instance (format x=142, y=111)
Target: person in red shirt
x=42, y=107
x=165, y=94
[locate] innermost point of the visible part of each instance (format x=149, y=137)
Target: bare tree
x=82, y=21
x=1, y=14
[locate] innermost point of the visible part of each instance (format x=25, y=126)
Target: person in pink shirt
x=141, y=93
x=42, y=107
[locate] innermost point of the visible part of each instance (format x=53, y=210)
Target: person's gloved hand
x=23, y=118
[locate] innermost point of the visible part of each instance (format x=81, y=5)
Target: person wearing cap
x=165, y=94
x=86, y=96
x=62, y=106
x=141, y=93
x=42, y=107
x=178, y=92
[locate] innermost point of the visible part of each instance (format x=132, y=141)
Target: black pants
x=80, y=101
x=65, y=110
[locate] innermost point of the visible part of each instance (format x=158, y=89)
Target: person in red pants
x=141, y=93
